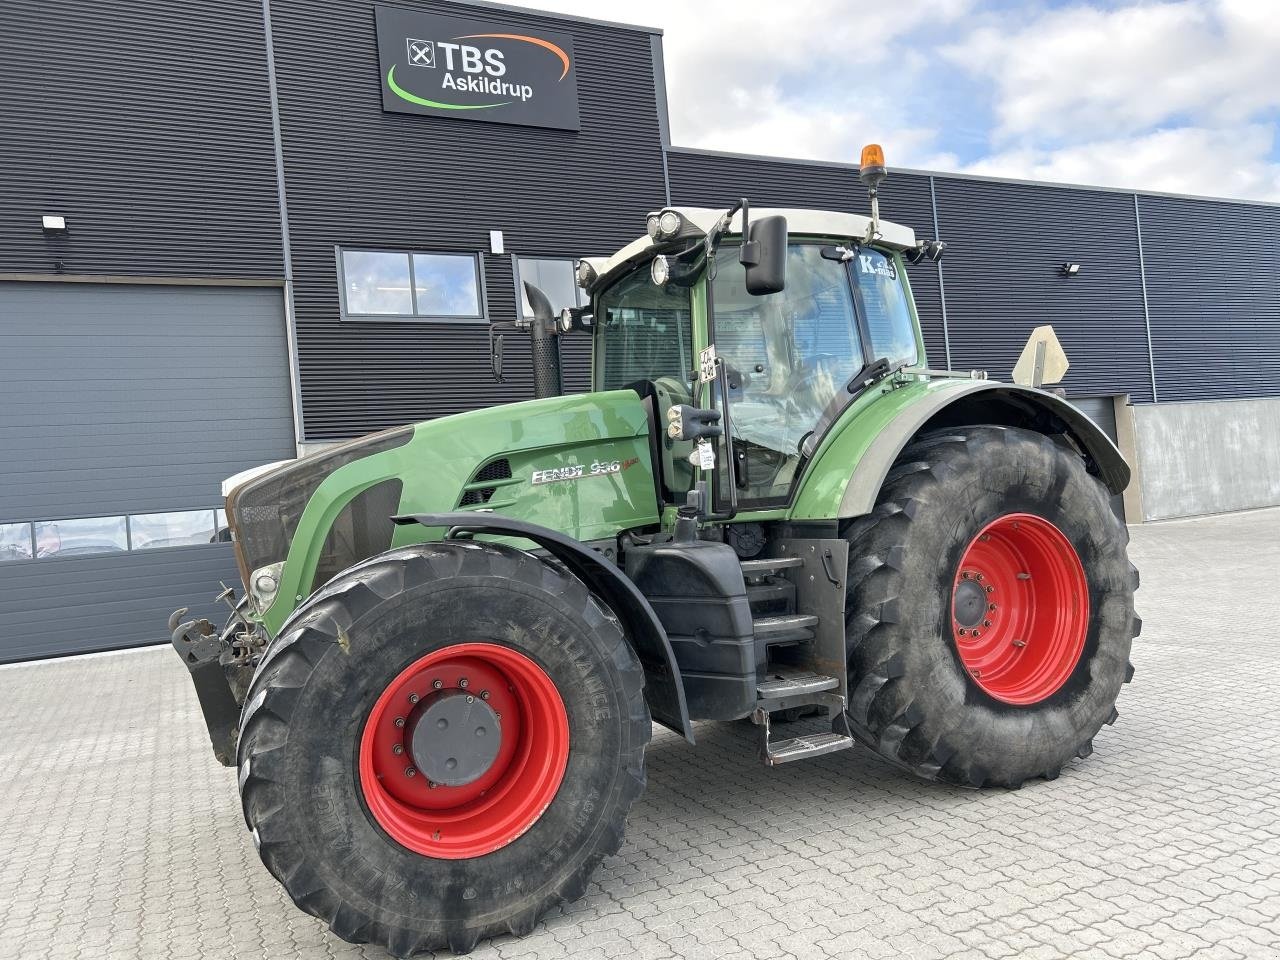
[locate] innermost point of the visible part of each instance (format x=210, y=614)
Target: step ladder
x=799, y=578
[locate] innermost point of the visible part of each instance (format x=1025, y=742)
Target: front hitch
x=200, y=648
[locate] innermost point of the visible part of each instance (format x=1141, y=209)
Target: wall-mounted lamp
x=1069, y=269
x=53, y=224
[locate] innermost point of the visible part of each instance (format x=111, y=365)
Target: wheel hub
x=970, y=603
x=453, y=737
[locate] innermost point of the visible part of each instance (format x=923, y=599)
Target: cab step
x=774, y=590
x=810, y=745
x=752, y=569
x=787, y=627
x=797, y=684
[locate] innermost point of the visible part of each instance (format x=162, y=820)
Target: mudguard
x=664, y=688
x=1036, y=409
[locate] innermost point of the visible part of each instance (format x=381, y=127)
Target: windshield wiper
x=870, y=374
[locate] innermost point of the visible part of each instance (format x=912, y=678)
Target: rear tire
x=1053, y=611
x=382, y=855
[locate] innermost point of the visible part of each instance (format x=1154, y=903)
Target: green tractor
x=440, y=682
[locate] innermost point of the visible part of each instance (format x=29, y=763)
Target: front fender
x=664, y=688
x=867, y=448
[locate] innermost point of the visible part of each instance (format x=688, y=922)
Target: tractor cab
x=787, y=355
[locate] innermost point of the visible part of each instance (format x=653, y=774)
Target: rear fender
x=981, y=402
x=664, y=688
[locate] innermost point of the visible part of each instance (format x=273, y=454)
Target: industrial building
x=232, y=231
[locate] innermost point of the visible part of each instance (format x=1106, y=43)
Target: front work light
x=585, y=274
x=664, y=225
x=660, y=270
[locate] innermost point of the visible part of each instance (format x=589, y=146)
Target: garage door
x=1102, y=411
x=122, y=408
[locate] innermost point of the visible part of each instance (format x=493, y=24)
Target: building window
x=81, y=537
x=15, y=541
x=401, y=285
x=151, y=530
x=555, y=278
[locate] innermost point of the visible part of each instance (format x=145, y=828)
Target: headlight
x=263, y=584
x=651, y=226
x=660, y=270
x=669, y=223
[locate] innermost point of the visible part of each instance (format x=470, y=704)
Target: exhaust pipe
x=548, y=380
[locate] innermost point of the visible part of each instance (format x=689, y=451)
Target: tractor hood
x=577, y=464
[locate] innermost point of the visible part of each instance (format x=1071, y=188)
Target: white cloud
x=1180, y=96
x=1187, y=160
x=1080, y=72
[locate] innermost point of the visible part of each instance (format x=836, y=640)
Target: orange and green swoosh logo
x=404, y=94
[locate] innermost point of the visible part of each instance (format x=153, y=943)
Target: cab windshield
x=789, y=354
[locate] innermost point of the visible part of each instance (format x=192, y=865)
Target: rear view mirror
x=764, y=254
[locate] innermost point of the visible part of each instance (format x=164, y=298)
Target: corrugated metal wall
x=1213, y=289
x=148, y=128
x=358, y=176
x=702, y=178
x=1006, y=245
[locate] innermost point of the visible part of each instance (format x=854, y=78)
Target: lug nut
x=399, y=721
x=484, y=694
x=410, y=772
x=990, y=588
x=431, y=784
x=413, y=698
x=437, y=684
x=471, y=699
x=991, y=606
x=986, y=623
x=397, y=749
x=976, y=634
x=962, y=631
x=978, y=578
x=463, y=683
x=965, y=574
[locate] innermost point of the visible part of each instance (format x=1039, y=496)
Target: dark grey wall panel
x=707, y=179
x=1006, y=243
x=358, y=176
x=66, y=605
x=148, y=128
x=1213, y=289
x=122, y=398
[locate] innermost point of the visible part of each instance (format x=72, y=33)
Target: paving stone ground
x=120, y=837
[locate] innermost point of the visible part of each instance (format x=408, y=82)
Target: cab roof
x=800, y=222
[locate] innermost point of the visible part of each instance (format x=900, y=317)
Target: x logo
x=422, y=53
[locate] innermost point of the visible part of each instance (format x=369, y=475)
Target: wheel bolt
x=962, y=631
x=986, y=623
x=437, y=684
x=413, y=698
x=965, y=574
x=976, y=634
x=410, y=772
x=431, y=785
x=397, y=749
x=399, y=721
x=463, y=683
x=991, y=606
x=484, y=694
x=990, y=588
x=978, y=578
x=471, y=699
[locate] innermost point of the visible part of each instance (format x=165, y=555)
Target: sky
x=1171, y=96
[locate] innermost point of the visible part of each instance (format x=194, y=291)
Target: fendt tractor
x=439, y=684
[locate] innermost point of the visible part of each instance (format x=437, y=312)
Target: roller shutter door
x=122, y=408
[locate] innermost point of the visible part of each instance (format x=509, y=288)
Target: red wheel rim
x=510, y=696
x=1020, y=609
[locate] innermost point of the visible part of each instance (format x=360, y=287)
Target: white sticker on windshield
x=707, y=364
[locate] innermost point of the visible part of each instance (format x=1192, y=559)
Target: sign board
x=491, y=70
x=1042, y=361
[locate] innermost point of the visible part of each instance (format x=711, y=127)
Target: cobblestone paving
x=123, y=838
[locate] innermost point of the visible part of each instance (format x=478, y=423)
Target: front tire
x=990, y=610
x=442, y=745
